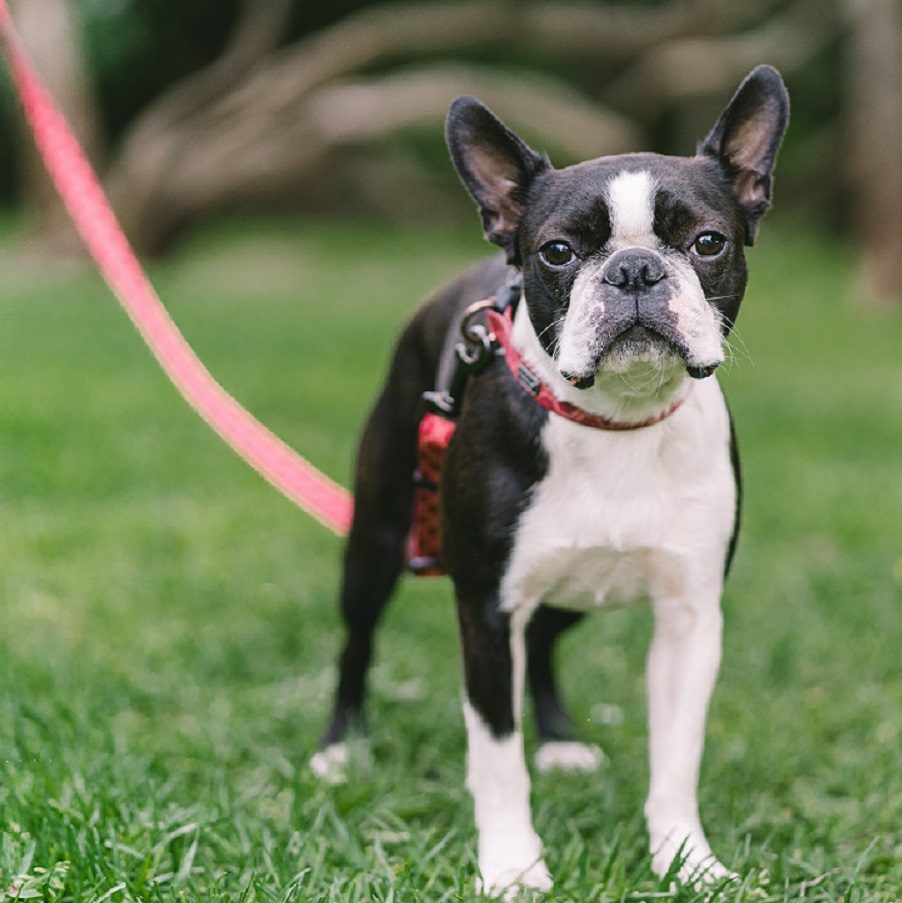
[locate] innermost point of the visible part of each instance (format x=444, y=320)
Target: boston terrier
x=632, y=270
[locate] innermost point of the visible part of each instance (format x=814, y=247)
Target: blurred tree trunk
x=49, y=31
x=875, y=128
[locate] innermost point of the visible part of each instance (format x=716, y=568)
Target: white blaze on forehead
x=631, y=204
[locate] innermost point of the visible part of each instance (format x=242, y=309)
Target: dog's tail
x=80, y=190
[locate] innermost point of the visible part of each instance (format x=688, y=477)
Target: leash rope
x=84, y=198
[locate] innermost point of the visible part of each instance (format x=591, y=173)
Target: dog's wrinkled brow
x=672, y=215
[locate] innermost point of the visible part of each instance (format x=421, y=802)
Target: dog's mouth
x=640, y=344
x=642, y=347
x=643, y=344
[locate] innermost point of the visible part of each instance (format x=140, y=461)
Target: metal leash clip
x=474, y=352
x=477, y=346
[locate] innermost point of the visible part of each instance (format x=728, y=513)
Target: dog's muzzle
x=636, y=291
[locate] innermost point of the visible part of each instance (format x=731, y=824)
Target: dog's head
x=632, y=259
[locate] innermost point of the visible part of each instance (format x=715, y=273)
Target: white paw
x=511, y=862
x=331, y=764
x=699, y=874
x=568, y=755
x=698, y=866
x=510, y=883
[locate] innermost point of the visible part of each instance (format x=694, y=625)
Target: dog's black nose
x=634, y=270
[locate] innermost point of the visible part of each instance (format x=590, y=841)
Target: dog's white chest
x=624, y=516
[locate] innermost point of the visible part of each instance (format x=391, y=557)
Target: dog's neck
x=641, y=391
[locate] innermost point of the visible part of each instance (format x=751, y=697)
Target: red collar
x=500, y=325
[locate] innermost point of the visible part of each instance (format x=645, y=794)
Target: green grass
x=168, y=623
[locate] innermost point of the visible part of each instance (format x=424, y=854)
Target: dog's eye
x=556, y=253
x=709, y=244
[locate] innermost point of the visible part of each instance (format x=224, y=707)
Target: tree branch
x=265, y=157
x=700, y=67
x=414, y=30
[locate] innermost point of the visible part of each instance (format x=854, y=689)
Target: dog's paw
x=685, y=854
x=513, y=883
x=704, y=873
x=511, y=864
x=331, y=764
x=568, y=755
x=709, y=871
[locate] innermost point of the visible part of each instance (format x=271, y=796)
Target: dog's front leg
x=510, y=852
x=682, y=667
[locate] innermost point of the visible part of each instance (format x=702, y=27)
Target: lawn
x=169, y=629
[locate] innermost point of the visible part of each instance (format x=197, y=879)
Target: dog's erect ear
x=496, y=167
x=747, y=137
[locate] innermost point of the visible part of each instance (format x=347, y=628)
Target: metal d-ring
x=476, y=348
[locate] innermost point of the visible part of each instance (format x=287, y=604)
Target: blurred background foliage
x=195, y=107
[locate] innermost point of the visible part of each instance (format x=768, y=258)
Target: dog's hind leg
x=375, y=552
x=374, y=558
x=559, y=748
x=546, y=626
x=373, y=561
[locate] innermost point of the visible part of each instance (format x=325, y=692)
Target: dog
x=628, y=273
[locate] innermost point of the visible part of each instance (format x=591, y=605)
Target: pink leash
x=78, y=186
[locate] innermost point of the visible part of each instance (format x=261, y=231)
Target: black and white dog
x=632, y=273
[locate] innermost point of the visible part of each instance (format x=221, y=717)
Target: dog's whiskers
x=736, y=349
x=554, y=344
x=734, y=352
x=734, y=356
x=557, y=321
